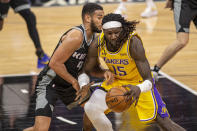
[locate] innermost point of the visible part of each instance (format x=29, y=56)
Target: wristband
x=145, y=86
x=83, y=79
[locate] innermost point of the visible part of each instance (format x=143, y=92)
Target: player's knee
x=89, y=108
x=183, y=43
x=105, y=125
x=180, y=44
x=183, y=40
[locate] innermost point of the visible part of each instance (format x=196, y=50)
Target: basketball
x=116, y=101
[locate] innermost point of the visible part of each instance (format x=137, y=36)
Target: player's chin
x=113, y=42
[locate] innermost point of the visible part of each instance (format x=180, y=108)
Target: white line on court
x=178, y=83
x=66, y=120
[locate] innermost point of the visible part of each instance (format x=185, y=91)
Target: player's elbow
x=52, y=64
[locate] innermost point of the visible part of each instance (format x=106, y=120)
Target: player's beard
x=113, y=45
x=94, y=28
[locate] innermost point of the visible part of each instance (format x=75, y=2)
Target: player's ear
x=88, y=18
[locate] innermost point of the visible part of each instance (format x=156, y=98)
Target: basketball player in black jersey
x=58, y=80
x=23, y=8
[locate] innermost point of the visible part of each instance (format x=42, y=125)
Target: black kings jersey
x=74, y=64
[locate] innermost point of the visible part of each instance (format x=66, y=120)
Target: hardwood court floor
x=17, y=53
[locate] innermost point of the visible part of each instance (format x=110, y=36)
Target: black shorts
x=17, y=5
x=47, y=93
x=184, y=13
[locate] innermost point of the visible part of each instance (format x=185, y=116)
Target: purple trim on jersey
x=162, y=110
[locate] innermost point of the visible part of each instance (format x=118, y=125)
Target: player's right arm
x=70, y=42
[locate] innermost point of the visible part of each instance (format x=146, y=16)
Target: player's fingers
x=90, y=84
x=127, y=98
x=106, y=76
x=77, y=93
x=109, y=79
x=124, y=85
x=77, y=97
x=126, y=93
x=136, y=101
x=132, y=101
x=132, y=94
x=80, y=100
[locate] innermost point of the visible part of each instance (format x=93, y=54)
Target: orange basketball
x=116, y=101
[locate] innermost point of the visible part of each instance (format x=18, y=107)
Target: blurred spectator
x=23, y=8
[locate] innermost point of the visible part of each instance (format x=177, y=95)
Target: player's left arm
x=137, y=53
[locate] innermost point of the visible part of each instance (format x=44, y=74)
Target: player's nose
x=113, y=36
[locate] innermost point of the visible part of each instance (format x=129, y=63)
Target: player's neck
x=89, y=32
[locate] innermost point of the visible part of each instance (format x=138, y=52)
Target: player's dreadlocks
x=128, y=26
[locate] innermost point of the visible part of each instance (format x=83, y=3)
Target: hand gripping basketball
x=116, y=99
